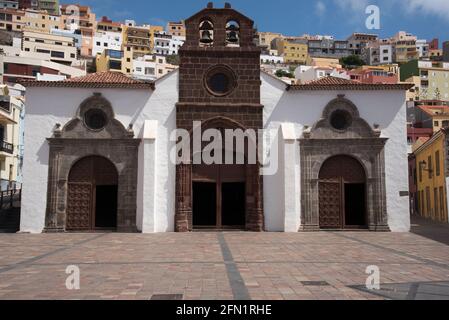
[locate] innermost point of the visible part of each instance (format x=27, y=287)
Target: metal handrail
x=6, y=147
x=9, y=197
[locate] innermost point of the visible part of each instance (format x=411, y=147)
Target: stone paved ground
x=228, y=265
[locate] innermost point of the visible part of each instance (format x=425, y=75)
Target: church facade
x=99, y=149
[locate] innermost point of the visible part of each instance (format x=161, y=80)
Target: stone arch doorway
x=92, y=195
x=342, y=194
x=227, y=196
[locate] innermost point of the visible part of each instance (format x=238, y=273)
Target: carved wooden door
x=330, y=199
x=85, y=177
x=79, y=207
x=336, y=174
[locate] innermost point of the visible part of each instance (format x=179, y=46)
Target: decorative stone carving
x=76, y=141
x=357, y=140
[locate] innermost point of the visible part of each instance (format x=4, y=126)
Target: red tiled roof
x=442, y=110
x=334, y=83
x=94, y=80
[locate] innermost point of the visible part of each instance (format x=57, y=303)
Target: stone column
x=53, y=222
x=380, y=216
x=255, y=218
x=309, y=191
x=183, y=217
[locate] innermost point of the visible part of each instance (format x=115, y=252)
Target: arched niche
x=206, y=32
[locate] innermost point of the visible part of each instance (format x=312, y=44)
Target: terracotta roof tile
x=435, y=110
x=94, y=80
x=334, y=83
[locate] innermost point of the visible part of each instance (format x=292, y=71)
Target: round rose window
x=220, y=81
x=95, y=119
x=340, y=120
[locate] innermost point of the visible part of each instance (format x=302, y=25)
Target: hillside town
x=202, y=158
x=52, y=41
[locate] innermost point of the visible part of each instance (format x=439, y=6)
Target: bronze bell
x=232, y=37
x=206, y=37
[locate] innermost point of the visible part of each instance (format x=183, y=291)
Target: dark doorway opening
x=233, y=204
x=106, y=207
x=355, y=204
x=204, y=204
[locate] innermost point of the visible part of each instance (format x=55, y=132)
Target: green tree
x=282, y=73
x=437, y=95
x=352, y=61
x=173, y=59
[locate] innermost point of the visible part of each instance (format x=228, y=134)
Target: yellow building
x=176, y=28
x=431, y=164
x=324, y=62
x=413, y=93
x=295, y=51
x=116, y=61
x=434, y=80
x=404, y=47
x=266, y=39
x=405, y=51
x=139, y=38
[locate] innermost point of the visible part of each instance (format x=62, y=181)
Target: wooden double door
x=219, y=196
x=342, y=194
x=92, y=195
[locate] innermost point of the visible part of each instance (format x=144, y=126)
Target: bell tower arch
x=219, y=78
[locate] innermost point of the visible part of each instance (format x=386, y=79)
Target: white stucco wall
x=48, y=106
x=301, y=108
x=157, y=175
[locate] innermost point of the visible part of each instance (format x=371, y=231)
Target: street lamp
x=423, y=166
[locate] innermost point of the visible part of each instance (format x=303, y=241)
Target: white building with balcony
x=423, y=48
x=11, y=116
x=151, y=67
x=305, y=74
x=271, y=59
x=175, y=44
x=106, y=40
x=162, y=43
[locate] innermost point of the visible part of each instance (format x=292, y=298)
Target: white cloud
x=437, y=7
x=320, y=8
x=354, y=11
x=353, y=5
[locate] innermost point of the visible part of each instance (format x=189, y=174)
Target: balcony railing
x=6, y=147
x=5, y=103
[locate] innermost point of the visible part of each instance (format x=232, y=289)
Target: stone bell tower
x=219, y=85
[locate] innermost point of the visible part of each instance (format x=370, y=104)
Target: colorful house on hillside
x=433, y=115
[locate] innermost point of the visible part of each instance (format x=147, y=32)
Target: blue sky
x=425, y=18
